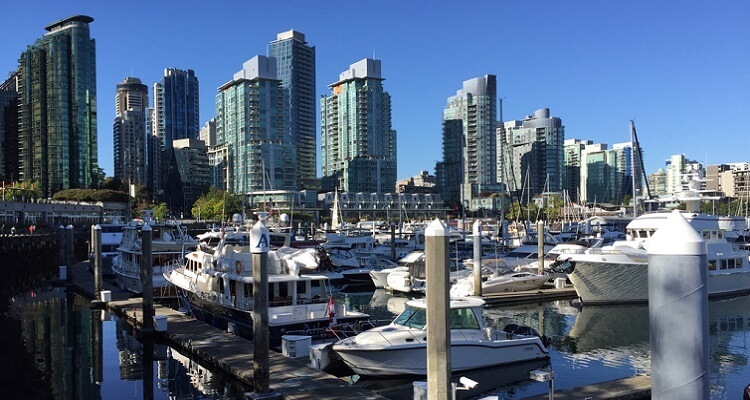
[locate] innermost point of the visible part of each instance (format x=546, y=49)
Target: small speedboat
x=400, y=348
x=497, y=278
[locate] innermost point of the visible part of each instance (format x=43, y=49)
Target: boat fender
x=238, y=266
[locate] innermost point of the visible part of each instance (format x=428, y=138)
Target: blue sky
x=680, y=69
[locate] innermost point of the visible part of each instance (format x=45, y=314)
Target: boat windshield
x=412, y=317
x=416, y=318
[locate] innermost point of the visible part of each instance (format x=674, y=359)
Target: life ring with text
x=238, y=266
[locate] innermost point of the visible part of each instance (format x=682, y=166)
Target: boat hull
x=240, y=321
x=624, y=283
x=412, y=360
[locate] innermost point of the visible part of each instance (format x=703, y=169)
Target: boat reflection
x=489, y=379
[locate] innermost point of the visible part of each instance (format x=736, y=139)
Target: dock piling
x=96, y=244
x=438, y=305
x=259, y=247
x=476, y=229
x=147, y=279
x=678, y=312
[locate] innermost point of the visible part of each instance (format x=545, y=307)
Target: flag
x=331, y=311
x=132, y=190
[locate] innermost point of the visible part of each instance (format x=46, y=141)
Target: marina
x=593, y=349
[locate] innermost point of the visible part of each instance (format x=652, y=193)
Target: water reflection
x=591, y=344
x=59, y=348
x=85, y=353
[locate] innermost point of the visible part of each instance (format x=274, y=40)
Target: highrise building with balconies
x=358, y=143
x=251, y=119
x=536, y=149
x=129, y=131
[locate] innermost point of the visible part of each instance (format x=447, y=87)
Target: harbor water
x=54, y=346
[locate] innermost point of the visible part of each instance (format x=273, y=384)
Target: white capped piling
x=63, y=247
x=477, y=258
x=69, y=246
x=259, y=246
x=147, y=279
x=96, y=249
x=393, y=242
x=540, y=245
x=438, y=307
x=504, y=233
x=678, y=312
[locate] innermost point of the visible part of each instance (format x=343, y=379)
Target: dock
x=531, y=296
x=633, y=388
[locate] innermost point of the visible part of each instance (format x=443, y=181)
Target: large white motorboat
x=169, y=243
x=400, y=348
x=498, y=278
x=217, y=288
x=619, y=273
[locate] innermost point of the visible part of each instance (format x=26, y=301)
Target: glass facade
x=295, y=67
x=57, y=115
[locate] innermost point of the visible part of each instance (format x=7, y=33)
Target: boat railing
x=604, y=251
x=350, y=329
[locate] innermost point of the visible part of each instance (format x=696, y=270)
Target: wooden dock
x=634, y=388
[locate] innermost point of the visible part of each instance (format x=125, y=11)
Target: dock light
x=543, y=375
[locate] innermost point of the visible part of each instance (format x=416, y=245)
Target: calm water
x=61, y=349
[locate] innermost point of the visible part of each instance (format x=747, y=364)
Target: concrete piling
x=438, y=308
x=259, y=247
x=147, y=279
x=476, y=229
x=540, y=245
x=96, y=244
x=678, y=312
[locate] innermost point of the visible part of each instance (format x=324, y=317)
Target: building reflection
x=65, y=340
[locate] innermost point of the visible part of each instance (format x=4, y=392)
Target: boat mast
x=632, y=168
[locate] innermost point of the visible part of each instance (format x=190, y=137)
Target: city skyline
x=676, y=71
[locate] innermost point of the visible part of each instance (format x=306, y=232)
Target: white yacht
x=619, y=273
x=169, y=243
x=217, y=288
x=400, y=348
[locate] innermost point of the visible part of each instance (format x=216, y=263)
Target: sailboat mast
x=632, y=167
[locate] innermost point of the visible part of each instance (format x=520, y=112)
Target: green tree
x=216, y=205
x=160, y=211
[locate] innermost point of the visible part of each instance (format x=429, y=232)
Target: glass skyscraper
x=57, y=108
x=295, y=67
x=357, y=142
x=176, y=110
x=176, y=115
